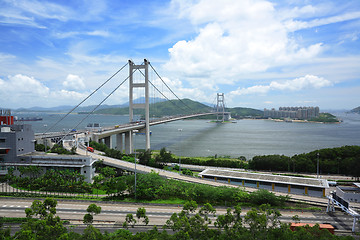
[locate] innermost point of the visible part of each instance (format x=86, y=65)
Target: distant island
x=355, y=110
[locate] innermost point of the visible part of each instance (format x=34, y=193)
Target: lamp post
x=317, y=168
x=134, y=135
x=180, y=130
x=45, y=126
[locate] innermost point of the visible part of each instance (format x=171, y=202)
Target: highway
x=172, y=175
x=113, y=214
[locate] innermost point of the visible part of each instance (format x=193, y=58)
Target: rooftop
x=313, y=182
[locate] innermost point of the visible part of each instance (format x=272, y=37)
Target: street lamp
x=134, y=133
x=45, y=126
x=317, y=168
x=180, y=130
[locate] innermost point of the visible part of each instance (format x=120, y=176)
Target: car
x=90, y=149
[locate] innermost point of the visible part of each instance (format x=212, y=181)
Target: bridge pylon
x=139, y=85
x=220, y=107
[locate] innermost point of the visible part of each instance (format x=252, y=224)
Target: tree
x=144, y=157
x=141, y=213
x=129, y=220
x=48, y=226
x=92, y=210
x=262, y=220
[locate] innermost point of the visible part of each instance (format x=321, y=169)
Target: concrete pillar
x=119, y=142
x=128, y=142
x=95, y=138
x=142, y=85
x=108, y=141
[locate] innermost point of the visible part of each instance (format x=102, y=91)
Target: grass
x=12, y=220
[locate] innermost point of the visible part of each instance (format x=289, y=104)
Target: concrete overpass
x=127, y=130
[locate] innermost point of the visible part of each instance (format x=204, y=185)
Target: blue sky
x=261, y=54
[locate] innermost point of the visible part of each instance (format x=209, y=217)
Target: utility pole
x=317, y=169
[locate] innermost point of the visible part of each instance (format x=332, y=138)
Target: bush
x=263, y=196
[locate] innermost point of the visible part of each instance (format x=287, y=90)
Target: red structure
x=329, y=227
x=5, y=117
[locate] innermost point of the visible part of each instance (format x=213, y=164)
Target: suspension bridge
x=140, y=88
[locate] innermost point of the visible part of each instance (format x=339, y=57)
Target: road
x=113, y=214
x=172, y=175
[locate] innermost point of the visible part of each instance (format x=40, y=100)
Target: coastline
x=300, y=121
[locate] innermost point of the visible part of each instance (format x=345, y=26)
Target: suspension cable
x=94, y=109
x=166, y=97
x=163, y=94
x=170, y=88
x=47, y=130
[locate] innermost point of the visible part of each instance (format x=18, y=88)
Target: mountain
x=239, y=112
x=164, y=108
x=67, y=108
x=184, y=106
x=355, y=110
x=158, y=107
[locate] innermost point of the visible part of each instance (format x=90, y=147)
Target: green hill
x=177, y=107
x=239, y=112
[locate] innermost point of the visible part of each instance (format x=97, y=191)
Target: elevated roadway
x=128, y=166
x=141, y=125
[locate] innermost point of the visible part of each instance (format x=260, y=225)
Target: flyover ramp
x=117, y=163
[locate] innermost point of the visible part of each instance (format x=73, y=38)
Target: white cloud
x=297, y=84
x=24, y=91
x=98, y=33
x=21, y=85
x=74, y=82
x=235, y=38
x=294, y=25
x=6, y=57
x=43, y=9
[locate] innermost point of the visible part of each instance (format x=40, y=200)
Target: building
x=15, y=140
x=293, y=185
x=17, y=149
x=350, y=194
x=303, y=113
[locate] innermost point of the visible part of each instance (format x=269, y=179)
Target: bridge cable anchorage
x=170, y=88
x=47, y=130
x=94, y=109
x=163, y=94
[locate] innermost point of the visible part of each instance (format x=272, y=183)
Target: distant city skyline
x=259, y=53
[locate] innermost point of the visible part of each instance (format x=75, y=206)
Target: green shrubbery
x=33, y=178
x=341, y=160
x=154, y=187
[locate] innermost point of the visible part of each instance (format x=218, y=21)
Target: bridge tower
x=138, y=85
x=220, y=107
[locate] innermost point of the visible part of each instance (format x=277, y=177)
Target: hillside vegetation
x=176, y=107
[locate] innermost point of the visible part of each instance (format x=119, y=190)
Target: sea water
x=204, y=138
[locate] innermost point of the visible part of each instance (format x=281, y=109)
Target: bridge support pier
x=119, y=142
x=128, y=142
x=108, y=141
